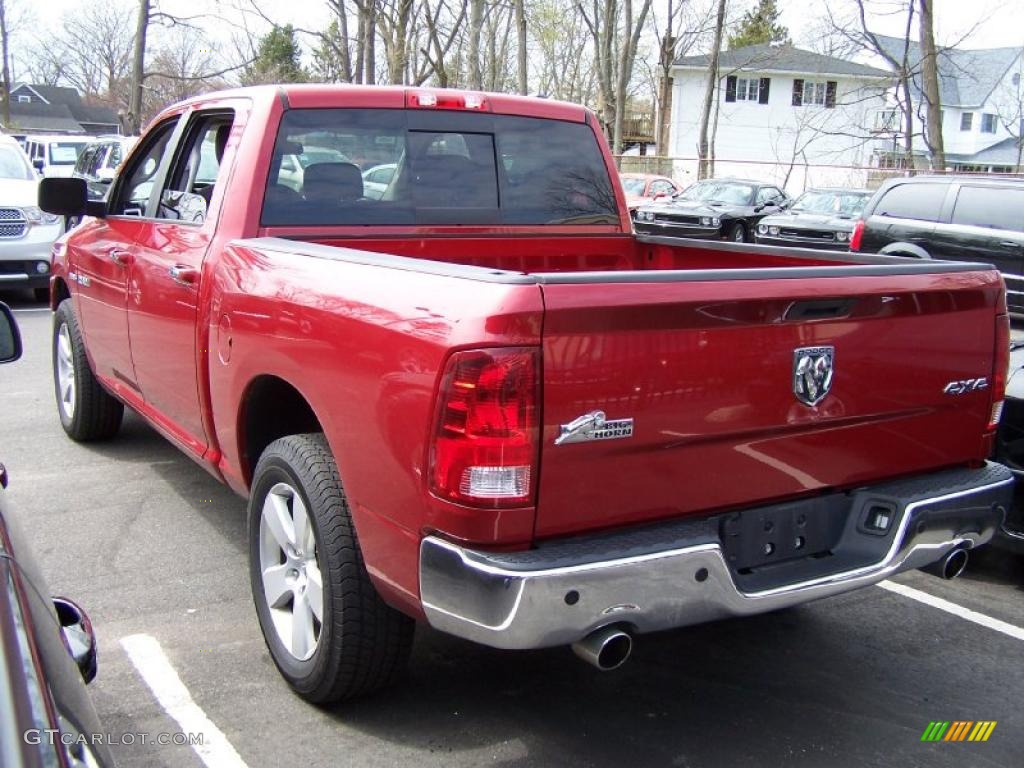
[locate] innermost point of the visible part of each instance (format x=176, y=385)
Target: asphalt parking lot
x=151, y=545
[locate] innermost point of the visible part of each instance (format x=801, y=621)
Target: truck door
x=164, y=315
x=101, y=259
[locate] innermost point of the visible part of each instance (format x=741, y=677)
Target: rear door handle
x=184, y=275
x=120, y=256
x=1011, y=244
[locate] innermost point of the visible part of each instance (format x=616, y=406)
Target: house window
x=988, y=123
x=24, y=99
x=1016, y=78
x=749, y=89
x=886, y=120
x=818, y=93
x=966, y=121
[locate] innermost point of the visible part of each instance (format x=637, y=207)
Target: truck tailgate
x=705, y=369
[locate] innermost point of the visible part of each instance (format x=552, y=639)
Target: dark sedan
x=713, y=209
x=47, y=649
x=820, y=218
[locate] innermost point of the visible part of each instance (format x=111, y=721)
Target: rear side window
x=442, y=168
x=993, y=207
x=913, y=201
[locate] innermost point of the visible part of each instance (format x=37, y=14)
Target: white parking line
x=957, y=610
x=152, y=664
x=19, y=311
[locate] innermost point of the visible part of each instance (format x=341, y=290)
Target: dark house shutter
x=830, y=94
x=798, y=93
x=730, y=88
x=762, y=94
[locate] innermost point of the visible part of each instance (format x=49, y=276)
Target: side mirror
x=660, y=196
x=79, y=638
x=65, y=197
x=38, y=164
x=10, y=337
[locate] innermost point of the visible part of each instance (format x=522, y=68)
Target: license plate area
x=758, y=537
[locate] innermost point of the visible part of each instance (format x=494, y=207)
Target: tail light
x=857, y=235
x=1002, y=364
x=486, y=435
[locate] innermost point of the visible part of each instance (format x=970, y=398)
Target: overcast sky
x=997, y=22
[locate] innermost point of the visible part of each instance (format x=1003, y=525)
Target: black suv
x=953, y=217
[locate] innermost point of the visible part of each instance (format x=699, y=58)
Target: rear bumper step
x=677, y=574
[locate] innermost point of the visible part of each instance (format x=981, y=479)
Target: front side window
x=133, y=197
x=380, y=167
x=922, y=202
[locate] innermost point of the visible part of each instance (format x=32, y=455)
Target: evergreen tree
x=760, y=25
x=277, y=59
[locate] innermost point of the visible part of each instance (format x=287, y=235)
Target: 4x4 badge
x=812, y=373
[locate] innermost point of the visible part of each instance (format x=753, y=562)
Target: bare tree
x=704, y=168
x=522, y=74
x=5, y=44
x=930, y=88
x=615, y=33
x=476, y=28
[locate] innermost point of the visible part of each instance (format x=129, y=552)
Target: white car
x=26, y=233
x=55, y=155
x=376, y=180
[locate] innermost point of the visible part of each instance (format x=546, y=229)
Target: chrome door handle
x=120, y=256
x=183, y=275
x=1011, y=244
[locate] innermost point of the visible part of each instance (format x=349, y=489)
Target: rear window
x=447, y=168
x=913, y=201
x=65, y=153
x=993, y=207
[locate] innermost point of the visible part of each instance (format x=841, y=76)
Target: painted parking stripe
x=152, y=665
x=957, y=610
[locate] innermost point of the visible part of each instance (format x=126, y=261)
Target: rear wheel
x=328, y=631
x=738, y=233
x=87, y=411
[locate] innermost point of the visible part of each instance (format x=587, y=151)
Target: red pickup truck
x=467, y=394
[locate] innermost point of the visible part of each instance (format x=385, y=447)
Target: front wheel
x=328, y=631
x=87, y=411
x=738, y=233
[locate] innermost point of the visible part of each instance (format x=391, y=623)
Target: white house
x=982, y=108
x=784, y=114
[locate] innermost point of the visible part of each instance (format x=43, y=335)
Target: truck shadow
x=203, y=494
x=823, y=684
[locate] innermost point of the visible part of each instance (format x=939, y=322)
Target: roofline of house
x=769, y=71
x=29, y=86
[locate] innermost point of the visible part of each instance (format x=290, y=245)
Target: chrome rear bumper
x=674, y=575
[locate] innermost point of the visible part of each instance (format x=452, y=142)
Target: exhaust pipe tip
x=607, y=648
x=950, y=566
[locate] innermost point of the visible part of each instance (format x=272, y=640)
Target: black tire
x=94, y=414
x=363, y=643
x=738, y=233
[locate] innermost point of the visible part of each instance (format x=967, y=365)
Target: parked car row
x=979, y=219
x=26, y=232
